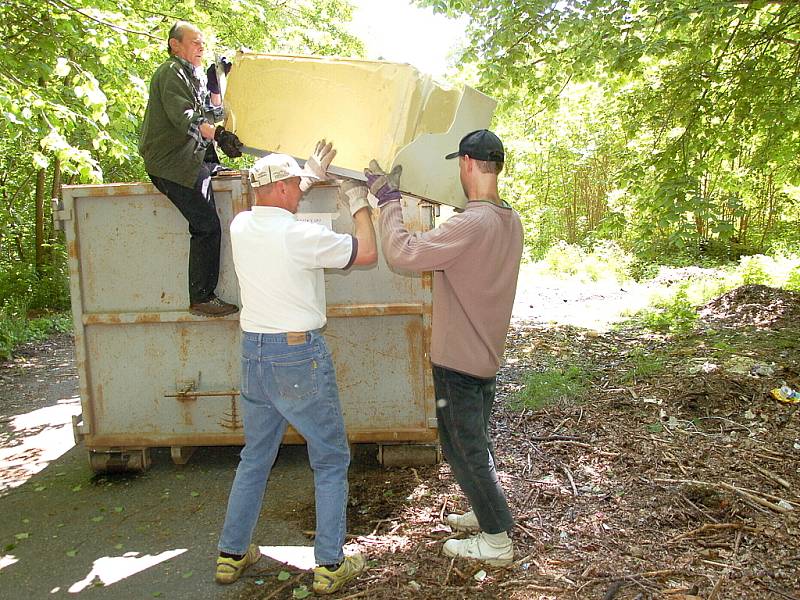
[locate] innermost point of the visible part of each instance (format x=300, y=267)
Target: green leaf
x=22, y=536
x=194, y=494
x=187, y=574
x=62, y=67
x=40, y=161
x=72, y=552
x=283, y=576
x=300, y=592
x=98, y=518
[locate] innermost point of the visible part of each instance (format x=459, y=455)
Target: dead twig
x=772, y=476
x=356, y=595
x=712, y=527
x=743, y=492
x=280, y=588
x=718, y=586
x=777, y=591
x=571, y=481
x=449, y=569
x=643, y=575
x=554, y=438
x=378, y=524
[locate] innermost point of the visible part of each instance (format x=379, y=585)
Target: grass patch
x=555, y=383
x=643, y=365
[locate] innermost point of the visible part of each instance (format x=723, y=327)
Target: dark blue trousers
x=463, y=408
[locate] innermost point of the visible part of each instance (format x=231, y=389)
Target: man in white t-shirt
x=287, y=372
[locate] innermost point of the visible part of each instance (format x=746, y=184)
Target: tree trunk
x=55, y=194
x=40, y=180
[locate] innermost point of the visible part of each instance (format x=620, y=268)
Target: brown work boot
x=213, y=307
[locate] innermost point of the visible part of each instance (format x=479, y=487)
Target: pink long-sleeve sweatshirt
x=475, y=258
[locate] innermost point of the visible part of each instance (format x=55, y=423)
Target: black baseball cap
x=481, y=144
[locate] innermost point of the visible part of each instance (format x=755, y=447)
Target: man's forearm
x=364, y=232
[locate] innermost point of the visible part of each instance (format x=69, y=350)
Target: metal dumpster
x=153, y=375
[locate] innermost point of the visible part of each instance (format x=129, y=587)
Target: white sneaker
x=478, y=548
x=468, y=522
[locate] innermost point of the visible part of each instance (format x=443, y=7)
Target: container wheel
x=409, y=455
x=116, y=461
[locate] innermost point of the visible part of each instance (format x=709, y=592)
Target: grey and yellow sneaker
x=230, y=569
x=328, y=582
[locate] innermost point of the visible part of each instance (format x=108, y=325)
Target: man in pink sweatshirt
x=475, y=258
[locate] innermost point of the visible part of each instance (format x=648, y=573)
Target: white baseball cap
x=275, y=167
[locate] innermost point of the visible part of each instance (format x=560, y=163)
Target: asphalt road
x=66, y=531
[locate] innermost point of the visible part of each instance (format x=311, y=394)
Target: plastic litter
x=786, y=395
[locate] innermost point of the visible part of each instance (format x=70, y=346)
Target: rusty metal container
x=153, y=375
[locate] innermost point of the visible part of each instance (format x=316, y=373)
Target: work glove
x=318, y=163
x=355, y=193
x=211, y=74
x=384, y=186
x=228, y=142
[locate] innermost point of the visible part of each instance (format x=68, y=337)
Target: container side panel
x=379, y=371
x=137, y=370
x=134, y=253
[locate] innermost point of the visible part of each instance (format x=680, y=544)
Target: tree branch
x=104, y=23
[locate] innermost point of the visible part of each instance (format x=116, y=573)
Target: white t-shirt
x=279, y=262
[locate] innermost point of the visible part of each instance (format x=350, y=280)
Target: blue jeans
x=289, y=383
x=463, y=409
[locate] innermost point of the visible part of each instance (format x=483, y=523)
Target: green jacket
x=169, y=141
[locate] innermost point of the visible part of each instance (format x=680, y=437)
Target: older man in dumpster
x=287, y=373
x=176, y=143
x=475, y=258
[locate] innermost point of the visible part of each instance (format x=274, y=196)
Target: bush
x=673, y=314
x=793, y=280
x=606, y=260
x=16, y=328
x=756, y=270
x=563, y=259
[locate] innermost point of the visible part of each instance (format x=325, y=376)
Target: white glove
x=318, y=163
x=355, y=194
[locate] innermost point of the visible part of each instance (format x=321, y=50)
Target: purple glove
x=384, y=186
x=211, y=74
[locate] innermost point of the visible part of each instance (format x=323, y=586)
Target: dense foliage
x=659, y=128
x=73, y=87
x=668, y=126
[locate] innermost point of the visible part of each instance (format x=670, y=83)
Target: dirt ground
x=674, y=474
